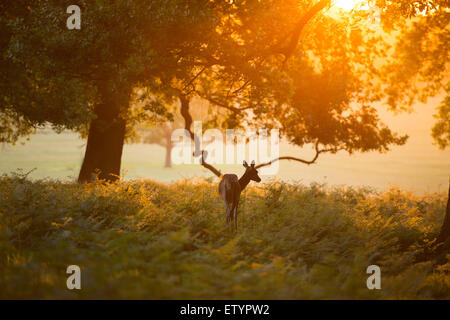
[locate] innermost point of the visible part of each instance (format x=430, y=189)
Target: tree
x=78, y=78
x=267, y=63
x=421, y=68
x=162, y=136
x=441, y=130
x=160, y=132
x=444, y=234
x=318, y=108
x=318, y=92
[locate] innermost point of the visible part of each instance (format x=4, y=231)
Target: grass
x=417, y=166
x=149, y=240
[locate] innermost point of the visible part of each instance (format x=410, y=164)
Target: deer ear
x=245, y=164
x=253, y=164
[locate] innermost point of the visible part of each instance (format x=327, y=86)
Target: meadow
x=372, y=84
x=419, y=166
x=151, y=240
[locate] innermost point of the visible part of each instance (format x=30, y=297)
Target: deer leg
x=232, y=215
x=235, y=218
x=227, y=211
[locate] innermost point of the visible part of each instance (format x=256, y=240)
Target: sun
x=346, y=4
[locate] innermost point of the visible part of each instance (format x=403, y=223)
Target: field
x=150, y=240
x=346, y=102
x=418, y=166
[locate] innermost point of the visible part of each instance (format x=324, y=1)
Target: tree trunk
x=103, y=154
x=445, y=231
x=168, y=163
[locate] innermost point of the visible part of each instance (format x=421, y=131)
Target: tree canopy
x=282, y=64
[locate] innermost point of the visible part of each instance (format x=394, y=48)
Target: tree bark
x=295, y=36
x=444, y=235
x=103, y=154
x=184, y=110
x=168, y=162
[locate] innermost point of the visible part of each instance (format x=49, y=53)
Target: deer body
x=230, y=192
x=230, y=188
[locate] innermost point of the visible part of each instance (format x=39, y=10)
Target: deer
x=231, y=187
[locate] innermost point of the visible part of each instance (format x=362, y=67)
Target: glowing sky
x=346, y=4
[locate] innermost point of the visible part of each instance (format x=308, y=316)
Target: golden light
x=346, y=4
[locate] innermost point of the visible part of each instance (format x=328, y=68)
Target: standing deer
x=230, y=187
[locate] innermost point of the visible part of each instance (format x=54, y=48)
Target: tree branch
x=287, y=50
x=223, y=105
x=308, y=162
x=295, y=35
x=208, y=166
x=195, y=77
x=187, y=126
x=184, y=110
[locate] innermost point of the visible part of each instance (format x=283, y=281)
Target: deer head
x=251, y=172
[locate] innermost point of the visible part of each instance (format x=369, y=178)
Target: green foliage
x=149, y=240
x=227, y=52
x=322, y=94
x=55, y=75
x=441, y=129
x=420, y=69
